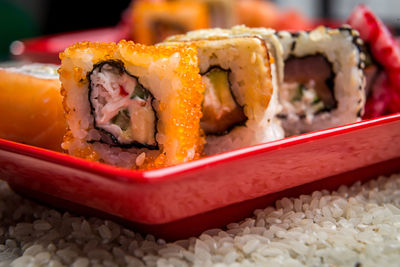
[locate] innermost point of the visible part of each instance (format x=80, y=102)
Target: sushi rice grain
x=352, y=226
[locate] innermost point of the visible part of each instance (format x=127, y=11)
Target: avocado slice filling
x=221, y=112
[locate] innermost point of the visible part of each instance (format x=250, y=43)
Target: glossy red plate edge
x=173, y=193
x=45, y=49
x=152, y=175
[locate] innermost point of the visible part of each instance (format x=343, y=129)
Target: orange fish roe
x=181, y=139
x=186, y=112
x=271, y=60
x=85, y=152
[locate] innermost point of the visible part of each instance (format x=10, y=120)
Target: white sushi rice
x=353, y=226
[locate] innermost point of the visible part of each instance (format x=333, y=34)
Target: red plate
x=46, y=49
x=212, y=191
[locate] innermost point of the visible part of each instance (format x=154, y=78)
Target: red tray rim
x=148, y=176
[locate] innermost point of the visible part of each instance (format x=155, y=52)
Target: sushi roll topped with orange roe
x=132, y=105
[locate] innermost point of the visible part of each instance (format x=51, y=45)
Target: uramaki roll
x=31, y=110
x=240, y=102
x=132, y=105
x=324, y=84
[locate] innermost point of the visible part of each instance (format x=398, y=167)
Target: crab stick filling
x=121, y=107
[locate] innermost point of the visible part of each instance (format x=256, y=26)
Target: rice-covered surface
x=353, y=226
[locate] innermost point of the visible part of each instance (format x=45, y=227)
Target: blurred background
x=22, y=19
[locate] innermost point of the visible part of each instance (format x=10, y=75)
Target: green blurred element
x=15, y=24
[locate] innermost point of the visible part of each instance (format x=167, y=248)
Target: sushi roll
x=221, y=13
x=132, y=105
x=31, y=106
x=324, y=84
x=240, y=100
x=152, y=22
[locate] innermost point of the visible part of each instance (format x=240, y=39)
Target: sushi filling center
x=121, y=107
x=221, y=112
x=308, y=86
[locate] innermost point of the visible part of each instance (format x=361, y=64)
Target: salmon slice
x=31, y=110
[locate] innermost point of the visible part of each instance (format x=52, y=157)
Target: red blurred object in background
x=256, y=13
x=378, y=102
x=385, y=95
x=253, y=13
x=292, y=20
x=384, y=98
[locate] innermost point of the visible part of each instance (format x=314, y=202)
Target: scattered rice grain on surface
x=352, y=226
